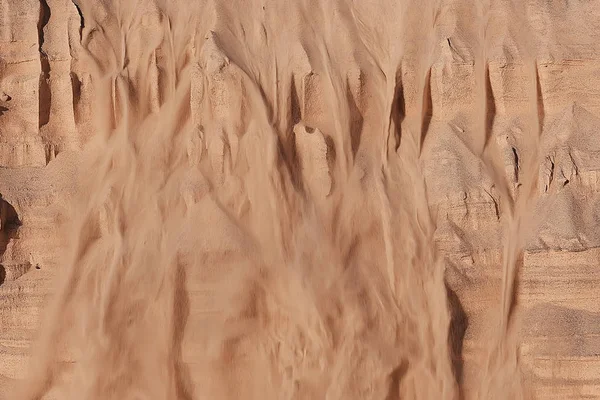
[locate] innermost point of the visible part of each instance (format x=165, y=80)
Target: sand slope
x=299, y=199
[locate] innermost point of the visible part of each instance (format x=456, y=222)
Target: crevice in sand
x=45, y=96
x=490, y=109
x=81, y=19
x=495, y=202
x=9, y=227
x=550, y=173
x=398, y=108
x=459, y=322
x=516, y=164
x=540, y=99
x=76, y=90
x=427, y=110
x=356, y=122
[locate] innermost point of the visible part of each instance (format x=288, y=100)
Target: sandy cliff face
x=344, y=86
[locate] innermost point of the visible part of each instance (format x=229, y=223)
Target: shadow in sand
x=9, y=225
x=456, y=333
x=183, y=381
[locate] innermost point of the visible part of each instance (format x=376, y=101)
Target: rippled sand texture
x=300, y=199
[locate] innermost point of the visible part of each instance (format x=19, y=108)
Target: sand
x=299, y=199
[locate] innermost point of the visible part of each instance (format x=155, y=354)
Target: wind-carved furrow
x=503, y=354
x=459, y=322
x=44, y=17
x=496, y=205
x=452, y=49
x=289, y=147
x=295, y=105
x=500, y=178
x=501, y=351
x=289, y=159
x=181, y=313
x=395, y=379
x=269, y=109
x=515, y=236
x=81, y=19
x=427, y=110
x=550, y=174
x=516, y=165
x=76, y=90
x=45, y=96
x=356, y=122
x=574, y=164
x=540, y=99
x=462, y=236
x=398, y=109
x=514, y=292
x=490, y=107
